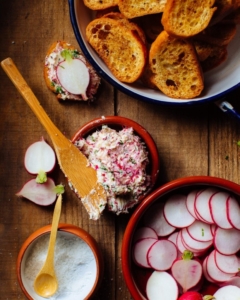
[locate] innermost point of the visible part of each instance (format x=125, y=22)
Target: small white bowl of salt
x=78, y=263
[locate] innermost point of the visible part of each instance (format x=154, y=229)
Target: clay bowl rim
x=68, y=228
x=121, y=122
x=185, y=182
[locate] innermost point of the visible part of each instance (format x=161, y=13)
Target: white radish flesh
x=161, y=255
x=229, y=292
x=39, y=193
x=194, y=244
x=227, y=241
x=73, y=76
x=39, y=157
x=190, y=202
x=218, y=209
x=161, y=286
x=144, y=232
x=200, y=231
x=155, y=219
x=235, y=280
x=226, y=263
x=140, y=251
x=233, y=212
x=202, y=208
x=214, y=272
x=205, y=272
x=176, y=212
x=187, y=273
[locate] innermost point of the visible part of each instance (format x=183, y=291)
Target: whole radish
x=191, y=296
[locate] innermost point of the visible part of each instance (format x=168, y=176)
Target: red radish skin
x=140, y=251
x=74, y=76
x=191, y=296
x=229, y=292
x=227, y=241
x=200, y=231
x=187, y=271
x=39, y=156
x=205, y=271
x=155, y=219
x=226, y=263
x=161, y=255
x=161, y=285
x=41, y=193
x=144, y=232
x=218, y=209
x=233, y=212
x=202, y=208
x=176, y=213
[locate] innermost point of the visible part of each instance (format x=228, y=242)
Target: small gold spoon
x=46, y=284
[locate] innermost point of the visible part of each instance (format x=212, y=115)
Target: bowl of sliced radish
x=183, y=242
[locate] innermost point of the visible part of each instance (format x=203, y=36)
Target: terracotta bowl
x=118, y=123
x=66, y=232
x=136, y=277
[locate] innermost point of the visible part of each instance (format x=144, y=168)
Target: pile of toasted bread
x=167, y=44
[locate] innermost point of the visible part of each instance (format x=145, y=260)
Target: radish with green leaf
x=187, y=271
x=41, y=193
x=39, y=160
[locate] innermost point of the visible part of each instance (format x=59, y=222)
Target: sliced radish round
x=187, y=273
x=140, y=251
x=144, y=232
x=202, y=208
x=194, y=244
x=227, y=241
x=205, y=272
x=181, y=247
x=73, y=76
x=39, y=157
x=235, y=280
x=213, y=228
x=226, y=263
x=190, y=201
x=161, y=284
x=173, y=237
x=233, y=212
x=218, y=209
x=229, y=292
x=176, y=213
x=214, y=272
x=200, y=231
x=161, y=255
x=40, y=193
x=155, y=219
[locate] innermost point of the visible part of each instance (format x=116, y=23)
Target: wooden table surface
x=191, y=140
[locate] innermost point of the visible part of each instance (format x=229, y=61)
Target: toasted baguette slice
x=224, y=8
x=210, y=56
x=175, y=67
x=125, y=22
x=53, y=58
x=187, y=18
x=100, y=4
x=132, y=8
x=119, y=47
x=219, y=34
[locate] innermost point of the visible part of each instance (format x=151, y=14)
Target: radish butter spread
x=120, y=159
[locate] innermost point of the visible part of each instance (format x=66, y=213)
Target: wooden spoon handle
x=49, y=263
x=15, y=76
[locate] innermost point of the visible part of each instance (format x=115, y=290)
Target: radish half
x=73, y=76
x=40, y=159
x=41, y=193
x=161, y=285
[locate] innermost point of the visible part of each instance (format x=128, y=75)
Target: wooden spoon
x=46, y=283
x=73, y=163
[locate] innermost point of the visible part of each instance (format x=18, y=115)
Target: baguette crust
x=130, y=9
x=100, y=4
x=119, y=47
x=187, y=18
x=175, y=67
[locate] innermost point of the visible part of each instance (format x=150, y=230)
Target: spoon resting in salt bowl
x=46, y=283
